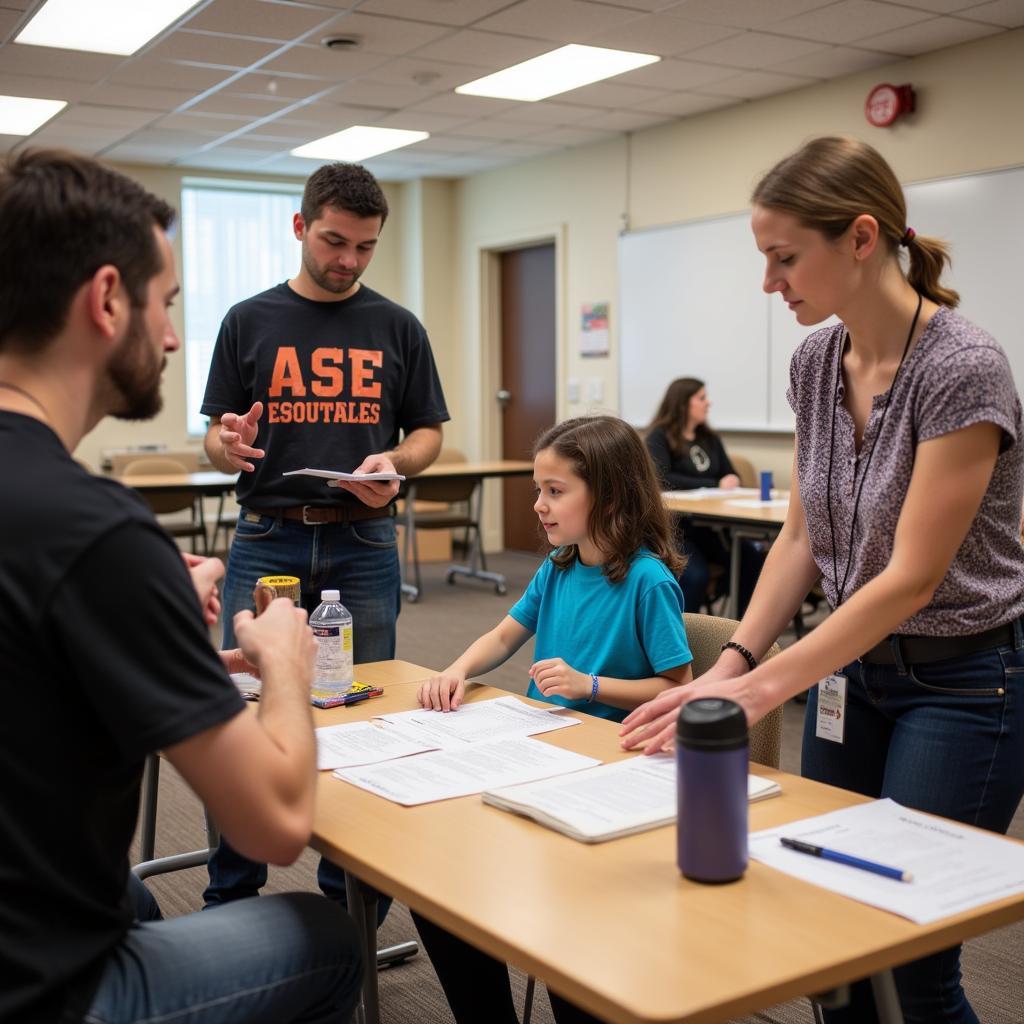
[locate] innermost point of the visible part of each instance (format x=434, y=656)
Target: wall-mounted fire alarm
x=887, y=102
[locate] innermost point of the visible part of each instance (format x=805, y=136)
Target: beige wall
x=431, y=252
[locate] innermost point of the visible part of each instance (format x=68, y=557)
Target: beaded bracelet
x=736, y=646
x=594, y=682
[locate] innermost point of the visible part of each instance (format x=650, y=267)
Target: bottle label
x=331, y=631
x=346, y=639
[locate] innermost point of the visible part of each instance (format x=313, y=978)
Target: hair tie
x=908, y=236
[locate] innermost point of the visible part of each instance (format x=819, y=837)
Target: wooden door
x=528, y=376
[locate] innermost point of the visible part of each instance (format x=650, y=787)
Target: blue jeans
x=293, y=958
x=946, y=737
x=361, y=560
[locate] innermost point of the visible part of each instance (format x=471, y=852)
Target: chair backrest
x=705, y=635
x=155, y=465
x=745, y=470
x=164, y=462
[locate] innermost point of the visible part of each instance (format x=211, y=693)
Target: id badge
x=831, y=708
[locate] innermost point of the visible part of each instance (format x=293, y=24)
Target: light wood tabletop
x=484, y=468
x=614, y=927
x=726, y=510
x=204, y=482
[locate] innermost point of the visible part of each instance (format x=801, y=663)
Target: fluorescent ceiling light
x=568, y=67
x=101, y=26
x=20, y=115
x=358, y=143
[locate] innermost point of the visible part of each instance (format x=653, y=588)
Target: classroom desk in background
x=613, y=927
x=440, y=473
x=740, y=522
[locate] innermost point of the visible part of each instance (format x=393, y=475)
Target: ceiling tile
x=450, y=12
x=244, y=107
x=319, y=119
x=192, y=122
x=166, y=74
x=942, y=6
x=364, y=92
x=284, y=87
x=318, y=61
x=682, y=104
x=928, y=36
x=84, y=138
x=757, y=83
x=547, y=112
x=210, y=48
x=462, y=106
x=676, y=74
x=492, y=50
x=75, y=65
x=419, y=120
x=113, y=117
x=658, y=33
x=492, y=128
x=832, y=62
x=392, y=36
x=430, y=74
x=562, y=20
x=610, y=93
x=744, y=13
x=754, y=50
x=451, y=144
x=848, y=20
x=1008, y=13
x=625, y=120
x=259, y=18
x=572, y=136
x=36, y=86
x=137, y=96
x=513, y=151
x=146, y=153
x=8, y=21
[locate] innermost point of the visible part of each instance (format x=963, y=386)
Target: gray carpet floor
x=432, y=632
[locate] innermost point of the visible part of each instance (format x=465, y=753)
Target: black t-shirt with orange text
x=338, y=381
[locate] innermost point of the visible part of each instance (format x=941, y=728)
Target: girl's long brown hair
x=626, y=508
x=829, y=182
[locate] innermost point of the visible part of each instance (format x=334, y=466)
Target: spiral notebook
x=609, y=801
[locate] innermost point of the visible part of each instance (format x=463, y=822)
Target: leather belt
x=318, y=515
x=924, y=649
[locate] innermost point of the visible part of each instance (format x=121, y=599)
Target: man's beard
x=136, y=374
x=329, y=284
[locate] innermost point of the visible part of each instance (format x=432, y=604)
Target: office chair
x=745, y=471
x=166, y=502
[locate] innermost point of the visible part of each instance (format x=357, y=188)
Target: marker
x=847, y=859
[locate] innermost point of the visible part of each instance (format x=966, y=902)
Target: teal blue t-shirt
x=628, y=630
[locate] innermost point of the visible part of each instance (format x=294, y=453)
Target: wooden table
x=476, y=567
x=751, y=523
x=614, y=927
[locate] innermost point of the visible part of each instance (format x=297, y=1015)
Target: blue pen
x=844, y=858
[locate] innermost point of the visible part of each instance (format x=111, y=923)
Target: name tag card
x=831, y=708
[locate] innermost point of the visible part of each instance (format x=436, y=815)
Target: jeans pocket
x=253, y=527
x=376, y=533
x=975, y=675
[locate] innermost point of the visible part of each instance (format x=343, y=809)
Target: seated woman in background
x=689, y=454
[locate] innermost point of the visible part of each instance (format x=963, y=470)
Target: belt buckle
x=306, y=521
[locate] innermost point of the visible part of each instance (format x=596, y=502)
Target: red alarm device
x=886, y=102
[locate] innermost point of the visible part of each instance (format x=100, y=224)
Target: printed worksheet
x=480, y=721
x=474, y=767
x=357, y=743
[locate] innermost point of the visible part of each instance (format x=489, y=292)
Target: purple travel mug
x=711, y=777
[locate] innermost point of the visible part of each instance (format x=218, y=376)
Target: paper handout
x=357, y=743
x=331, y=474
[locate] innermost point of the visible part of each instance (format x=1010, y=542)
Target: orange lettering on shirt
x=324, y=360
x=363, y=384
x=287, y=373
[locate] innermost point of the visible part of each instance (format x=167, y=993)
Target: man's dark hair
x=349, y=187
x=62, y=217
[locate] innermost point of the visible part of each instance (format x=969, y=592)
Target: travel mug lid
x=712, y=723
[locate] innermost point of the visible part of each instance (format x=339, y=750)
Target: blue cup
x=766, y=485
x=712, y=760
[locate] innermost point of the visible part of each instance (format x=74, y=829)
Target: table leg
x=477, y=567
x=362, y=905
x=887, y=1002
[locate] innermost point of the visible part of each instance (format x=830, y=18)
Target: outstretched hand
x=237, y=434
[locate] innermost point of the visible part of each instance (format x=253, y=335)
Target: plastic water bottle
x=712, y=760
x=332, y=627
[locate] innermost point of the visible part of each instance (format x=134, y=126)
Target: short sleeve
x=793, y=392
x=225, y=391
x=974, y=385
x=423, y=399
x=660, y=624
x=128, y=619
x=526, y=611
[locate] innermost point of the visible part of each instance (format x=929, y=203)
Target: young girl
x=606, y=609
x=905, y=504
x=605, y=604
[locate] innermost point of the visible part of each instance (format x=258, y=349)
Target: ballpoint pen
x=848, y=859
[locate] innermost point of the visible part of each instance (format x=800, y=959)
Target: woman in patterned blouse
x=906, y=497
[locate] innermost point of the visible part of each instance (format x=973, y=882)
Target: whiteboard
x=691, y=303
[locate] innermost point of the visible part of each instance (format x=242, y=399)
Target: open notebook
x=608, y=801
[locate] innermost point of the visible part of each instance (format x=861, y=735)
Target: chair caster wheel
x=501, y=589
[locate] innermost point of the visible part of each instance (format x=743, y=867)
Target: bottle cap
x=712, y=724
x=330, y=595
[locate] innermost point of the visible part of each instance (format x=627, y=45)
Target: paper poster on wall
x=594, y=329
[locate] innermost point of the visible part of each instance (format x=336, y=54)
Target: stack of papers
x=333, y=474
x=954, y=868
x=610, y=801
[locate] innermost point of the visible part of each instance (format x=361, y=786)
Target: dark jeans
x=704, y=549
x=361, y=560
x=291, y=958
x=476, y=985
x=946, y=738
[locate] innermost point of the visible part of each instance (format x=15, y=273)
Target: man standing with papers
x=321, y=371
